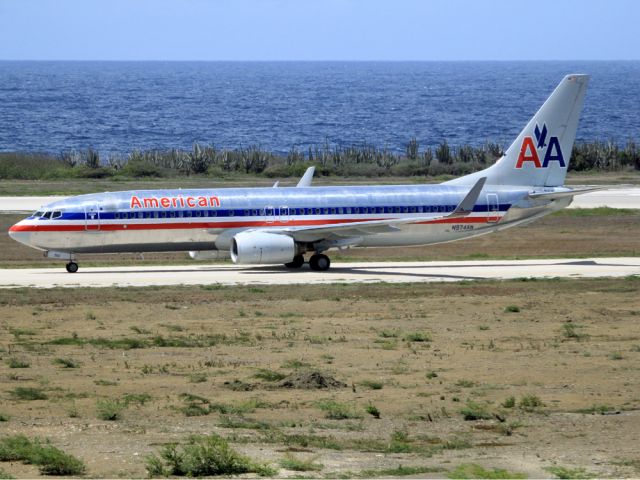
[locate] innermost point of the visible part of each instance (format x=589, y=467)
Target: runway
x=628, y=197
x=392, y=272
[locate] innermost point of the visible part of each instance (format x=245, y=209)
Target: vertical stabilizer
x=540, y=154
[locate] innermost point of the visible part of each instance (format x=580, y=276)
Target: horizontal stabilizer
x=564, y=194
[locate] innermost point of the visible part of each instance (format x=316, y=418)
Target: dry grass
x=427, y=384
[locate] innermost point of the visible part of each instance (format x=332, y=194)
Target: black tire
x=297, y=262
x=72, y=267
x=319, y=262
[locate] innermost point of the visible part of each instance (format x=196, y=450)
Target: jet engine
x=261, y=248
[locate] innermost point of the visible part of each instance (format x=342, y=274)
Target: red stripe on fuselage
x=191, y=225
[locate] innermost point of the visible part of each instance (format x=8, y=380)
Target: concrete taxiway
x=392, y=272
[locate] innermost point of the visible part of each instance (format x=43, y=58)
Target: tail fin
x=540, y=154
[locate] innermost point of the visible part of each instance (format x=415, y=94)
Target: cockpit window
x=56, y=214
x=46, y=215
x=38, y=214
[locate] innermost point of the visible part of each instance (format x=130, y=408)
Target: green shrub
x=372, y=384
x=199, y=377
x=269, y=375
x=373, y=411
x=475, y=411
x=50, y=459
x=510, y=402
x=18, y=363
x=530, y=402
x=418, y=337
x=466, y=383
x=28, y=393
x=472, y=470
x=66, y=363
x=512, y=309
x=108, y=409
x=292, y=463
x=137, y=398
x=202, y=456
x=336, y=410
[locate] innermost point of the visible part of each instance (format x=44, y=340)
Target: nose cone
x=20, y=234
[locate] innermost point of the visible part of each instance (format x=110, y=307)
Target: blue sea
x=116, y=107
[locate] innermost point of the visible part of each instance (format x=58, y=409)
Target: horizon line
x=315, y=60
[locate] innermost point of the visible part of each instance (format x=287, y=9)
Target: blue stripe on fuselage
x=261, y=212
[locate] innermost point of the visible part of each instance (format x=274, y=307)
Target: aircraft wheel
x=72, y=267
x=297, y=262
x=319, y=262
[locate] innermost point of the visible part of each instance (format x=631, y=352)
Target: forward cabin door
x=92, y=217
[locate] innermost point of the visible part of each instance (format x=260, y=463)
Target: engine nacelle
x=261, y=247
x=208, y=254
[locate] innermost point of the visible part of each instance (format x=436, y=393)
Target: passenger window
x=412, y=209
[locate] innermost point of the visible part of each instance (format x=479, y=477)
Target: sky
x=263, y=30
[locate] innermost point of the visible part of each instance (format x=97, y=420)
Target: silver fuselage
x=184, y=220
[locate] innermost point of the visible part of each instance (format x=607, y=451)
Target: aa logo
x=529, y=150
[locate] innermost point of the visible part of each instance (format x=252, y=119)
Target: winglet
x=275, y=185
x=465, y=207
x=305, y=181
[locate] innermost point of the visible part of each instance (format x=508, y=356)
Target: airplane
x=280, y=225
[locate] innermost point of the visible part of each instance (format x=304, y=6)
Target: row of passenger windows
x=282, y=211
x=268, y=212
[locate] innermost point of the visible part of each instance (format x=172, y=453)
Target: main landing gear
x=72, y=267
x=297, y=262
x=318, y=262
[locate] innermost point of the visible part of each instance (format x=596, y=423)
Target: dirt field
x=566, y=351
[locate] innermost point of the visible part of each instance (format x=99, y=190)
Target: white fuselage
x=188, y=220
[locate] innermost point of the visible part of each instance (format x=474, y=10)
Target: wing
x=371, y=227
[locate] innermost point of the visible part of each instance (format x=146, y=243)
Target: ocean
x=116, y=107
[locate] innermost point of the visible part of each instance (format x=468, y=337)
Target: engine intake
x=262, y=248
